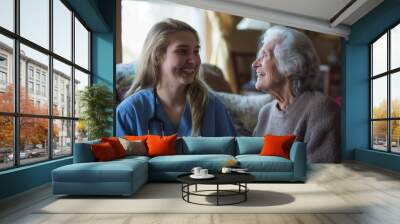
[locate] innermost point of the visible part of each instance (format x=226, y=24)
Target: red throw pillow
x=135, y=138
x=161, y=145
x=277, y=145
x=116, y=145
x=103, y=151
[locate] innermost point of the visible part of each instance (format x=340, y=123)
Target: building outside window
x=57, y=135
x=37, y=74
x=30, y=87
x=385, y=92
x=43, y=90
x=55, y=96
x=3, y=61
x=3, y=71
x=38, y=89
x=30, y=72
x=3, y=78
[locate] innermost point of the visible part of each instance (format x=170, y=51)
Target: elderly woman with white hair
x=286, y=66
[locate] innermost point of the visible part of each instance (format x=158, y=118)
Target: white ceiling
x=315, y=15
x=320, y=9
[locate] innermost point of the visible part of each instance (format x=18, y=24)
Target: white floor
x=377, y=189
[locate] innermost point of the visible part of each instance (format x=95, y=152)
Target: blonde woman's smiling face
x=181, y=61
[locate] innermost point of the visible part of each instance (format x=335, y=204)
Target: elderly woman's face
x=265, y=66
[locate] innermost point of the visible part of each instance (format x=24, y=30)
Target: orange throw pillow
x=103, y=151
x=135, y=138
x=277, y=145
x=116, y=145
x=161, y=145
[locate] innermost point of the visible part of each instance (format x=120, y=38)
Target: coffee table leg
x=196, y=188
x=217, y=194
x=245, y=191
x=188, y=189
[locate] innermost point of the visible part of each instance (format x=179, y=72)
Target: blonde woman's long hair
x=148, y=70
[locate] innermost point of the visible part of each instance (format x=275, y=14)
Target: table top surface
x=220, y=178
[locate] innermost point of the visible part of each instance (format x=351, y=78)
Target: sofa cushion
x=208, y=145
x=135, y=138
x=118, y=177
x=136, y=147
x=257, y=163
x=112, y=171
x=275, y=145
x=103, y=151
x=185, y=163
x=161, y=145
x=129, y=159
x=116, y=145
x=249, y=145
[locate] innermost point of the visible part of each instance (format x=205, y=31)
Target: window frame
x=16, y=115
x=388, y=74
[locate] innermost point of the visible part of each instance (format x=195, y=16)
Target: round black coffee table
x=238, y=179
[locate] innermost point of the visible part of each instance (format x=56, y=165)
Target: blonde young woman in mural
x=286, y=66
x=167, y=97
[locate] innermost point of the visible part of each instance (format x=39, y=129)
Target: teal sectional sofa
x=125, y=176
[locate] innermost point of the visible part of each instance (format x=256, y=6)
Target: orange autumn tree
x=33, y=130
x=380, y=128
x=6, y=122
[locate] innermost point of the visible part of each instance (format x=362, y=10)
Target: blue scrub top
x=135, y=111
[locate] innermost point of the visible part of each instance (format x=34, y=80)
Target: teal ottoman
x=118, y=177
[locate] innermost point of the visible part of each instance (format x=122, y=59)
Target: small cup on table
x=226, y=170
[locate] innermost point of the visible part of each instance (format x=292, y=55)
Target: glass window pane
x=395, y=47
x=81, y=81
x=62, y=89
x=81, y=45
x=379, y=97
x=7, y=14
x=6, y=142
x=35, y=21
x=395, y=136
x=62, y=138
x=33, y=140
x=34, y=96
x=6, y=74
x=379, y=55
x=379, y=135
x=395, y=94
x=62, y=29
x=81, y=131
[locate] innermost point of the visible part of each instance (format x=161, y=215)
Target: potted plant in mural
x=96, y=103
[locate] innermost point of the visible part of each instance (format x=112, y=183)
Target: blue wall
x=24, y=178
x=103, y=54
x=99, y=15
x=356, y=86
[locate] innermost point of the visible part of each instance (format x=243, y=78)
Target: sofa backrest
x=206, y=145
x=83, y=153
x=249, y=145
x=191, y=146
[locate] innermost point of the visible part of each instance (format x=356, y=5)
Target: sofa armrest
x=299, y=159
x=83, y=152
